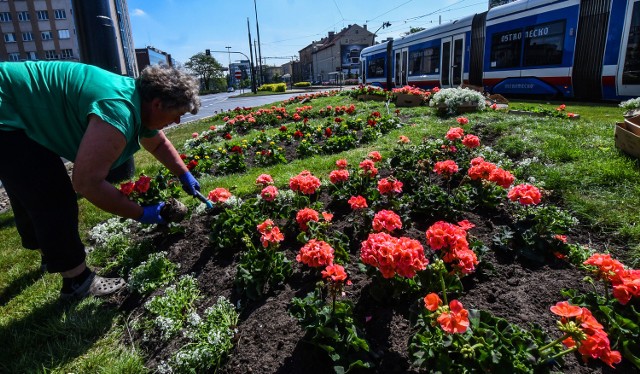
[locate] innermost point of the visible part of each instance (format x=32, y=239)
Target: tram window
x=424, y=61
x=505, y=49
x=375, y=68
x=544, y=43
x=631, y=71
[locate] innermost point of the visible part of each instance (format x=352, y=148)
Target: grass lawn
x=575, y=160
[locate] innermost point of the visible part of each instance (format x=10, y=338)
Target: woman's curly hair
x=174, y=88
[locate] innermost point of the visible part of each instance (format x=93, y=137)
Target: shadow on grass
x=53, y=334
x=6, y=220
x=18, y=285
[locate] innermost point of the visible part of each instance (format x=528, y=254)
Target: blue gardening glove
x=151, y=214
x=189, y=184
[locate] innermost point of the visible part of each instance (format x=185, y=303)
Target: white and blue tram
x=587, y=49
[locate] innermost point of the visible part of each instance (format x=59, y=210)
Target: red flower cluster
x=386, y=220
x=142, y=185
x=525, y=194
x=446, y=168
x=387, y=186
x=402, y=256
x=596, y=344
x=403, y=139
x=368, y=168
x=316, y=253
x=462, y=120
x=236, y=149
x=219, y=195
x=452, y=240
x=298, y=134
x=481, y=169
x=270, y=233
x=335, y=273
x=340, y=175
x=305, y=216
x=192, y=164
x=374, y=156
x=304, y=182
x=269, y=193
x=471, y=141
x=625, y=282
x=357, y=202
x=264, y=180
x=341, y=163
x=455, y=133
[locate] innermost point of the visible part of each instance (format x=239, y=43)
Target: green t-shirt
x=51, y=102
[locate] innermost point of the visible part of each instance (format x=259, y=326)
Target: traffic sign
x=238, y=74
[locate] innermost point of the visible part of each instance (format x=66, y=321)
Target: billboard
x=350, y=55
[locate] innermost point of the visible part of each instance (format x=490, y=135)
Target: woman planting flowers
x=98, y=120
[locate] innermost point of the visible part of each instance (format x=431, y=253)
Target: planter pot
x=407, y=100
x=367, y=97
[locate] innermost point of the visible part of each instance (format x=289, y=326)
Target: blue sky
x=186, y=27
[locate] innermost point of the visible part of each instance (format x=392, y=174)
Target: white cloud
x=138, y=13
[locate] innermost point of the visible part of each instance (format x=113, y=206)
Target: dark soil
x=270, y=341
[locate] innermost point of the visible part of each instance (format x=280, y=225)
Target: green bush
x=302, y=84
x=273, y=87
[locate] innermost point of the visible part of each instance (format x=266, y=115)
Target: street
x=214, y=103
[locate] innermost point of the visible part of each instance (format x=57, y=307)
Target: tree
x=206, y=67
x=413, y=30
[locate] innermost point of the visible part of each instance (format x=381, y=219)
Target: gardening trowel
x=201, y=197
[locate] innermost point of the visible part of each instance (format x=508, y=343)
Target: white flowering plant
x=151, y=274
x=211, y=339
x=451, y=99
x=172, y=309
x=631, y=104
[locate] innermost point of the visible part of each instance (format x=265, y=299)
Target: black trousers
x=43, y=201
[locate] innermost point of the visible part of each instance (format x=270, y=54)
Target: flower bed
x=445, y=217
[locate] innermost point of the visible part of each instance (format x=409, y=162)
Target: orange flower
x=357, y=202
x=455, y=133
x=525, y=194
x=456, y=321
x=306, y=215
x=386, y=220
x=447, y=168
x=340, y=175
x=315, y=253
x=219, y=195
x=270, y=233
x=375, y=156
x=335, y=272
x=432, y=301
x=564, y=309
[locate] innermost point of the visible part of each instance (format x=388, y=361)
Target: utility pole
x=255, y=8
x=252, y=71
x=229, y=67
x=255, y=50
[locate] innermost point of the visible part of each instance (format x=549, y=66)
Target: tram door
x=451, y=63
x=401, y=67
x=628, y=77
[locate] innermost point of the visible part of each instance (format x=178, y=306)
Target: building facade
x=47, y=30
x=151, y=56
x=336, y=53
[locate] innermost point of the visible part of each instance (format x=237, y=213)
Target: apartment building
x=47, y=30
x=336, y=53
